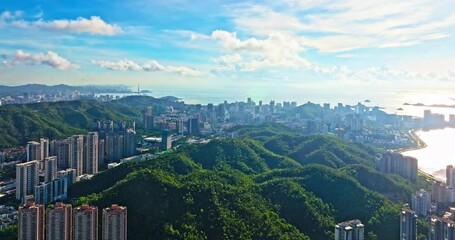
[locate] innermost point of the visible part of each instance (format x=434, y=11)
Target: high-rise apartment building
x=27, y=177
x=439, y=192
x=59, y=222
x=129, y=143
x=114, y=147
x=436, y=228
x=85, y=223
x=441, y=228
x=349, y=230
x=391, y=162
x=101, y=153
x=408, y=225
x=50, y=168
x=62, y=150
x=180, y=126
x=31, y=222
x=166, y=140
x=77, y=153
x=69, y=173
x=421, y=202
x=449, y=169
x=55, y=190
x=44, y=148
x=148, y=118
x=115, y=223
x=450, y=176
x=450, y=195
x=354, y=122
x=33, y=151
x=193, y=126
x=90, y=164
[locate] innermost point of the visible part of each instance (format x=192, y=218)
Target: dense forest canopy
x=269, y=183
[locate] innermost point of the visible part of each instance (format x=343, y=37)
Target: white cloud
x=49, y=58
x=262, y=20
x=343, y=25
x=274, y=51
x=150, y=66
x=227, y=59
x=231, y=42
x=6, y=15
x=94, y=25
x=184, y=71
x=277, y=35
x=283, y=51
x=120, y=65
x=227, y=62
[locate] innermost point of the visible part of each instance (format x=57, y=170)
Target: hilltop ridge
x=253, y=188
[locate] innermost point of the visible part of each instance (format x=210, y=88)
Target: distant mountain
x=268, y=184
x=52, y=89
x=20, y=123
x=138, y=101
x=308, y=110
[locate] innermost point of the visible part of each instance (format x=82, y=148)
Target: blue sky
x=308, y=44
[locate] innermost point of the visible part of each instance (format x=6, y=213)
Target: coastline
x=419, y=143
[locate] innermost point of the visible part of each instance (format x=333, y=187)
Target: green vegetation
x=9, y=234
x=308, y=110
x=268, y=184
x=22, y=123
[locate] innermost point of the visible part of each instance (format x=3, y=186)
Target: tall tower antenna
x=138, y=90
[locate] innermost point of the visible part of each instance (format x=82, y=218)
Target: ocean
x=439, y=153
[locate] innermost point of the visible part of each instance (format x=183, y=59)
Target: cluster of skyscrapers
x=391, y=162
x=433, y=120
x=172, y=122
x=444, y=193
x=63, y=222
x=441, y=228
x=60, y=163
x=53, y=188
x=431, y=205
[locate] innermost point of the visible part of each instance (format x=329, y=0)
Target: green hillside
x=22, y=123
x=246, y=189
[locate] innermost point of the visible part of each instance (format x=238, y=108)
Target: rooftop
x=349, y=225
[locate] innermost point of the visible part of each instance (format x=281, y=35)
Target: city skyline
x=296, y=44
x=256, y=119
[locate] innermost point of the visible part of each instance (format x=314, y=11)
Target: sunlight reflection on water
x=439, y=153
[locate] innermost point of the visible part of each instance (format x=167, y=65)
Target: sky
x=329, y=46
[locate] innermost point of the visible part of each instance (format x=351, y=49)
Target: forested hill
x=268, y=184
x=25, y=122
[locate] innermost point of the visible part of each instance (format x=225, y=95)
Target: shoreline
x=420, y=144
